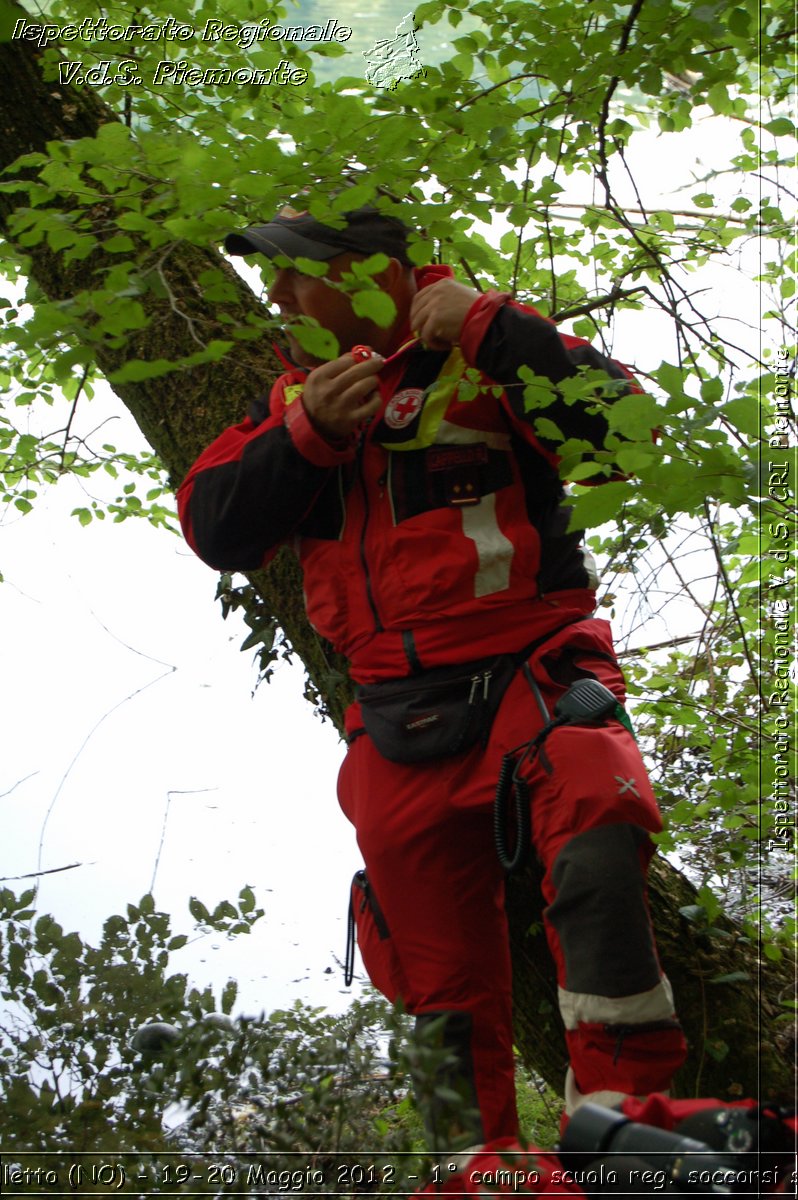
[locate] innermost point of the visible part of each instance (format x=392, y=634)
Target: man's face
x=297, y=295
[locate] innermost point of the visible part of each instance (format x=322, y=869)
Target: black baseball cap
x=298, y=234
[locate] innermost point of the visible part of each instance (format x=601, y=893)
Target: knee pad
x=600, y=913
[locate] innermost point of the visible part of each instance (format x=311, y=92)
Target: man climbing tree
x=431, y=529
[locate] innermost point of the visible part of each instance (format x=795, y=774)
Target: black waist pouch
x=440, y=713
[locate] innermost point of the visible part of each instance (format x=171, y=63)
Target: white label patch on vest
x=403, y=407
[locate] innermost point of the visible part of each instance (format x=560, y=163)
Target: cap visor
x=272, y=240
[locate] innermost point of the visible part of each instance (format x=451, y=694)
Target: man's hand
x=438, y=312
x=339, y=395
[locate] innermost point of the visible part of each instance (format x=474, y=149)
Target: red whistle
x=363, y=353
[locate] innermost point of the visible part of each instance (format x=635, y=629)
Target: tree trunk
x=732, y=1027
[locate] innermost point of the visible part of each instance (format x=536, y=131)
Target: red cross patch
x=403, y=407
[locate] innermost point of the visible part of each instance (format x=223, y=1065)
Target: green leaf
x=198, y=911
x=712, y=390
x=695, y=913
x=547, y=430
x=579, y=471
x=370, y=266
x=634, y=416
x=633, y=458
x=377, y=306
x=671, y=379
x=781, y=127
x=229, y=995
x=420, y=251
x=745, y=414
x=317, y=341
x=598, y=505
x=136, y=370
x=310, y=266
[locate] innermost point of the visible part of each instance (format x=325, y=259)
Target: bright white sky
x=92, y=616
x=89, y=620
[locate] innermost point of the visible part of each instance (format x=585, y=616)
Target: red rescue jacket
x=441, y=535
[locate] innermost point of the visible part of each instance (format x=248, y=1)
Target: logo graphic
x=403, y=407
x=627, y=785
x=393, y=59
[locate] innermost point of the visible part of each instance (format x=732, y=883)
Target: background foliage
x=107, y=1052
x=526, y=154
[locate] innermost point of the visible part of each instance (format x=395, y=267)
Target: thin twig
x=733, y=603
x=72, y=411
x=176, y=310
x=581, y=310
x=520, y=239
x=604, y=117
x=48, y=871
x=172, y=792
x=699, y=215
x=19, y=783
x=635, y=651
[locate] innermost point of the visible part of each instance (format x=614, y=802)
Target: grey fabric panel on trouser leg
x=443, y=1059
x=600, y=913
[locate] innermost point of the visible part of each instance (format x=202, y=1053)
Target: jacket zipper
x=369, y=900
x=363, y=559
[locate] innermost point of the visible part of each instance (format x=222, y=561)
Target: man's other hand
x=438, y=312
x=340, y=395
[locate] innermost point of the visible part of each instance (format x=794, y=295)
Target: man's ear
x=393, y=276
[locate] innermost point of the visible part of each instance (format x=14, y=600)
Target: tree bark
x=737, y=1045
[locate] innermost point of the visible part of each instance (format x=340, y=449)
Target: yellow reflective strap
x=410, y=342
x=291, y=393
x=436, y=401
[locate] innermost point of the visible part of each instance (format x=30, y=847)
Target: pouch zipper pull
x=475, y=680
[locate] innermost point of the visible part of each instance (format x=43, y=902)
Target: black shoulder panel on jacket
x=516, y=339
x=241, y=510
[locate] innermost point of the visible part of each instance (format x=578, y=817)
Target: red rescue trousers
x=431, y=924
